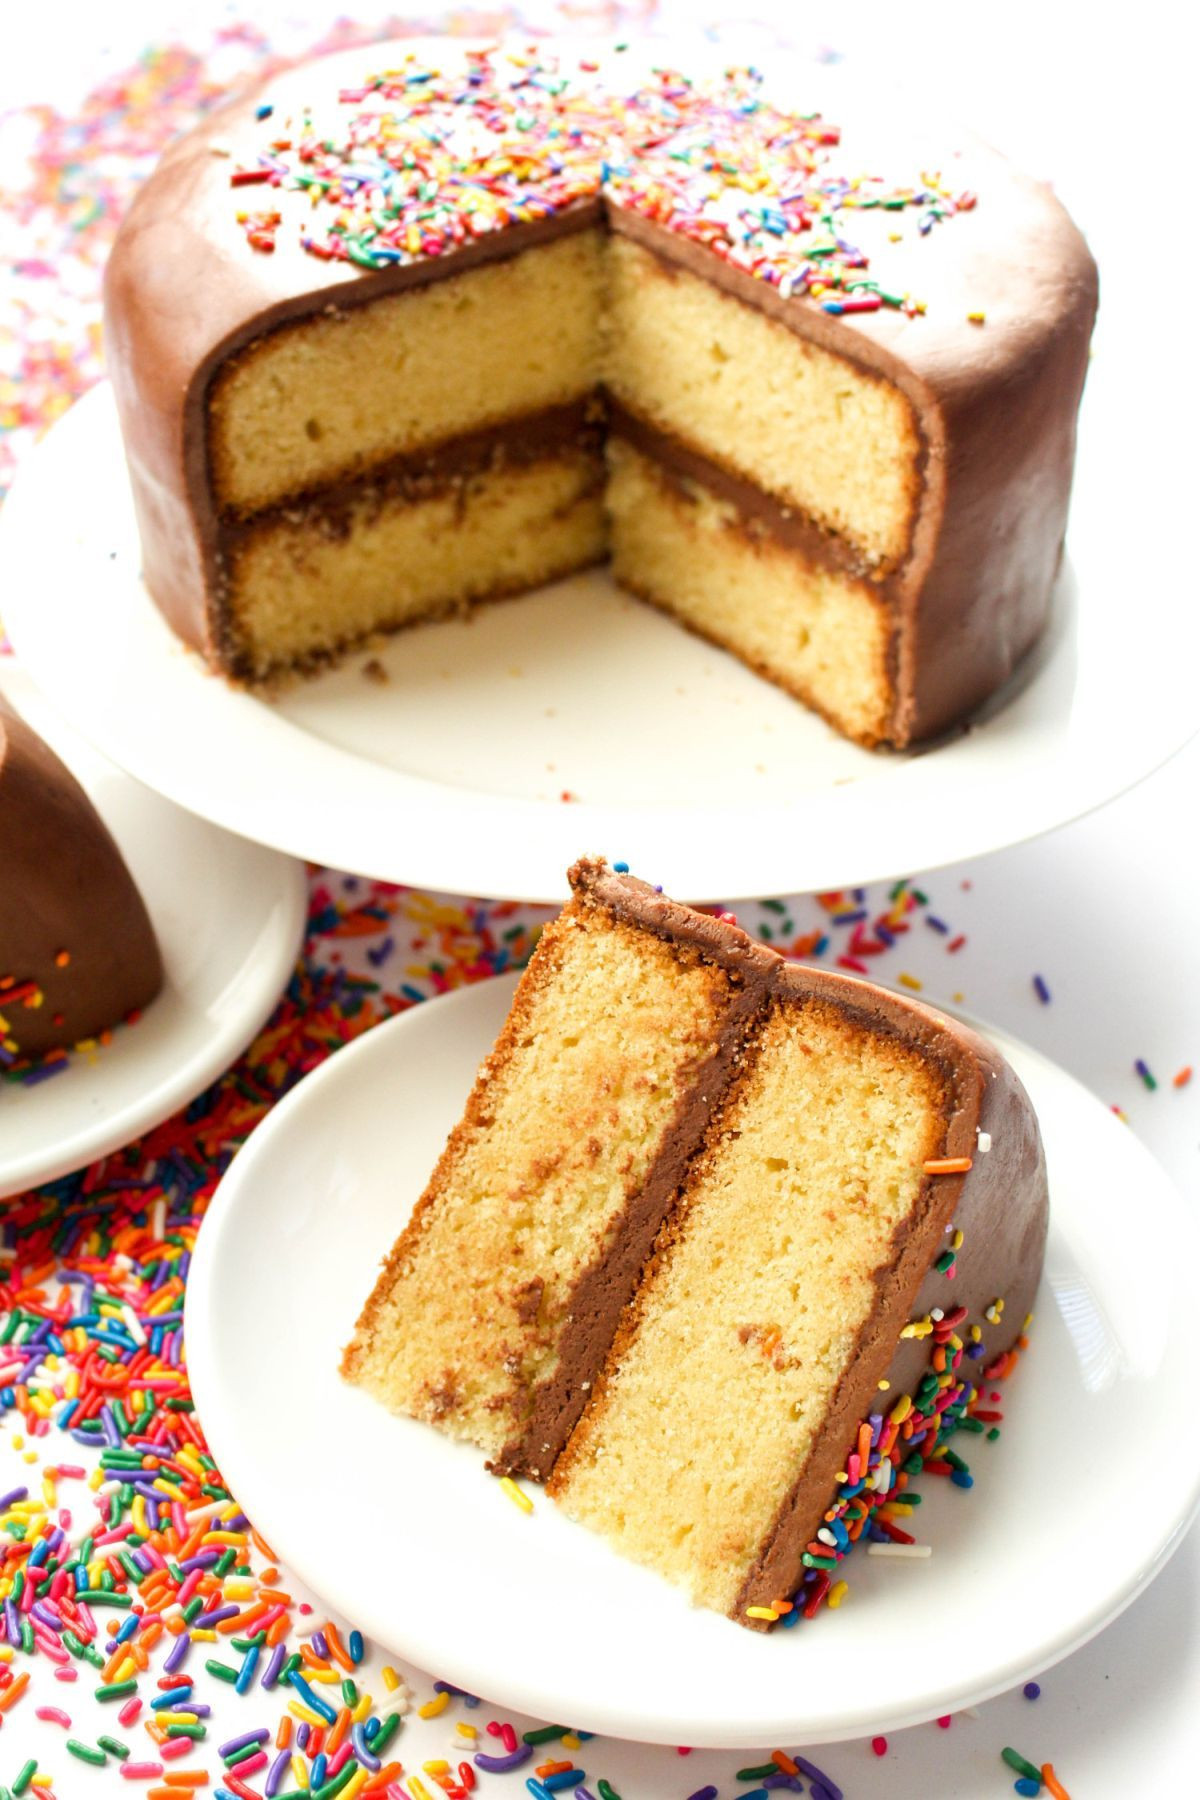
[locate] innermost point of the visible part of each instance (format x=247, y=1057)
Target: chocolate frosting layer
x=72, y=922
x=995, y=401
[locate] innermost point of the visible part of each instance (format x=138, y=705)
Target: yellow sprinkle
x=31, y=1456
x=241, y=1589
x=433, y=1707
x=331, y=1677
x=761, y=1612
x=956, y=1241
x=467, y=1731
x=391, y=1680
x=976, y=318
x=909, y=981
x=355, y=1784
x=883, y=1386
x=127, y=1670
x=362, y=1710
x=300, y=1773
x=837, y=1593
x=18, y=1442
x=96, y=1479
x=417, y=1788
x=570, y=1742
x=515, y=1495
x=439, y=1766
x=298, y=1708
x=224, y=1537
x=208, y=1636
x=6, y=1654
x=901, y=1409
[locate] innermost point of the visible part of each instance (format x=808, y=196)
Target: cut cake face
x=720, y=1248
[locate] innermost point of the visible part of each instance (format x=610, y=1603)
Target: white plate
x=1074, y=1509
x=229, y=917
x=683, y=763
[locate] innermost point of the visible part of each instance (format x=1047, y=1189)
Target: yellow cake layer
x=341, y=392
x=820, y=633
x=609, y=1027
x=303, y=584
x=808, y=427
x=709, y=1409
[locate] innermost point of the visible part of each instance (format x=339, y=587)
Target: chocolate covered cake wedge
x=722, y=1246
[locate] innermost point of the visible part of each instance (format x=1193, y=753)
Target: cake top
x=431, y=152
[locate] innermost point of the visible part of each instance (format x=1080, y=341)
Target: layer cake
x=371, y=333
x=708, y=1218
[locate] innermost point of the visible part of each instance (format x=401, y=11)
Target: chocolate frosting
x=72, y=922
x=995, y=402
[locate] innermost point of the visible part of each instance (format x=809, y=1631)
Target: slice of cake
x=77, y=950
x=721, y=1246
x=372, y=325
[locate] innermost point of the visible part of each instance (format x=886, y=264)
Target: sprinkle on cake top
x=420, y=159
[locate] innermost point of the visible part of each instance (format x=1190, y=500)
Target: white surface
x=229, y=917
x=452, y=775
x=318, y=1196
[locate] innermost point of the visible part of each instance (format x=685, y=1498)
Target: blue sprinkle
x=621, y=868
x=263, y=112
x=960, y=1478
x=354, y=1645
x=1031, y=1690
x=1024, y=1784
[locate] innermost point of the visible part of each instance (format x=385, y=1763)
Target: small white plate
x=1073, y=1511
x=680, y=761
x=229, y=917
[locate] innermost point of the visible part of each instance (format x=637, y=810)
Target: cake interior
x=610, y=1027
x=392, y=462
x=750, y=1316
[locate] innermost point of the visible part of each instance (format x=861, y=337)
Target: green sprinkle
x=114, y=1690
x=607, y=1791
x=221, y=1670
x=757, y=1772
x=993, y=1434
x=329, y=1788
x=543, y=1735
x=26, y=1776
x=1016, y=1761
x=945, y=1261
x=114, y=1746
x=386, y=1733
x=103, y=1597
x=86, y=1753
x=225, y=1561
x=817, y=1562
x=237, y=1756
x=195, y=1732
x=349, y=1693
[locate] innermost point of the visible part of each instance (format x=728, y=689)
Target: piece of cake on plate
x=721, y=1248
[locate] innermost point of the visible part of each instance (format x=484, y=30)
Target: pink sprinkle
x=879, y=1746
x=944, y=1722
x=141, y=1771
x=55, y=1714
x=130, y=1710
x=260, y=1759
x=180, y=1746
x=66, y=1675
x=74, y=1470
x=683, y=1749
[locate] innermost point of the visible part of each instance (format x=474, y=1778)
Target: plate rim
x=458, y=839
x=279, y=881
x=514, y=1690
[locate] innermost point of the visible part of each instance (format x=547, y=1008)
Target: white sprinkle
x=899, y=1550
x=984, y=1139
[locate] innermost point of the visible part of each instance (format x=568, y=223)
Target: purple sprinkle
x=704, y=1793
x=1041, y=990
x=1031, y=1690
x=827, y=1784
x=276, y=1773
x=203, y=1559
x=937, y=924
x=320, y=1644
x=302, y=1731
x=270, y=1674
x=500, y=1765
x=240, y=1743
x=13, y=1495
x=203, y=1620
x=177, y=1653
x=581, y=1793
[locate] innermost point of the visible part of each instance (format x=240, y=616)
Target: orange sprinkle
x=186, y=1778
x=553, y=1768
x=283, y=1737
x=14, y=1691
x=783, y=1761
x=864, y=1446
x=279, y=1630
x=947, y=1165
x=1052, y=1784
x=1183, y=1077
x=336, y=1649
x=379, y=1781
x=338, y=1730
